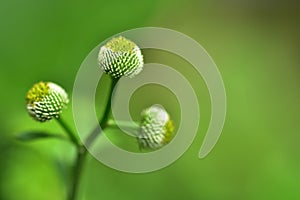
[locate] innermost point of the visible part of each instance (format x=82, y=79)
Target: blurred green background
x=255, y=44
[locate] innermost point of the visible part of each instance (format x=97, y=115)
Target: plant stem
x=81, y=153
x=103, y=122
x=83, y=150
x=68, y=130
x=123, y=124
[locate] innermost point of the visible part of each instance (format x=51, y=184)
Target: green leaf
x=30, y=136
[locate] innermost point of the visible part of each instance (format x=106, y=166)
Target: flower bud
x=156, y=128
x=45, y=100
x=120, y=57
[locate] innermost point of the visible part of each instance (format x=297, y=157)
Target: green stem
x=82, y=150
x=123, y=124
x=68, y=130
x=81, y=154
x=103, y=122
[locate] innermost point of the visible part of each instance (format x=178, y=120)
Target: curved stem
x=68, y=130
x=82, y=150
x=103, y=122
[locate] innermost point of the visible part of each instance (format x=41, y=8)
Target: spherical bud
x=45, y=100
x=120, y=57
x=156, y=128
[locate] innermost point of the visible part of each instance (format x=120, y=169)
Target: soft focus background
x=254, y=43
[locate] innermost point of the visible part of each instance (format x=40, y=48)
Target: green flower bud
x=156, y=128
x=120, y=57
x=45, y=100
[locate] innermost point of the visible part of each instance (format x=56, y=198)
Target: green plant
x=119, y=57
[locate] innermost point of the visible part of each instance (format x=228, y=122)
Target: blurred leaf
x=30, y=136
x=63, y=171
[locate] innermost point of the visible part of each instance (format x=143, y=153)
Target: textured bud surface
x=156, y=128
x=120, y=57
x=45, y=100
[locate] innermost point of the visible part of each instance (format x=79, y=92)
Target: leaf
x=63, y=171
x=30, y=136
